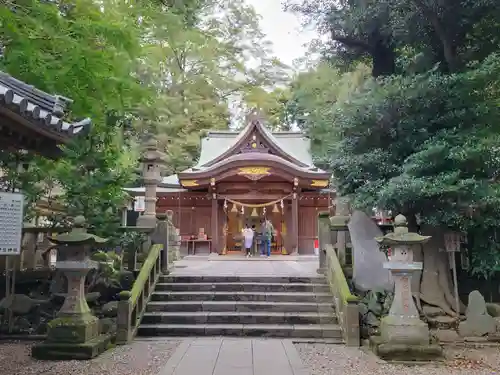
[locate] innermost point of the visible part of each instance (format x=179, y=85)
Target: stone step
x=242, y=279
x=242, y=287
x=232, y=317
x=242, y=296
x=239, y=306
x=261, y=330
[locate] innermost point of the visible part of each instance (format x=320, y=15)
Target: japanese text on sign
x=11, y=223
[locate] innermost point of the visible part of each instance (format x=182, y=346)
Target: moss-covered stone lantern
x=403, y=335
x=74, y=334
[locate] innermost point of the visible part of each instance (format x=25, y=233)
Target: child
x=248, y=239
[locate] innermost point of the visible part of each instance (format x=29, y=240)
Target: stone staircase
x=298, y=307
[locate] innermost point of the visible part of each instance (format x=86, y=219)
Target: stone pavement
x=229, y=356
x=241, y=266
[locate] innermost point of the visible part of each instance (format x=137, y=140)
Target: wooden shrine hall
x=240, y=179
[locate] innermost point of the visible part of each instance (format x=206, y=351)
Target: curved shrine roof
x=223, y=149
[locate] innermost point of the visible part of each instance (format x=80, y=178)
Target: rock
x=110, y=309
x=442, y=322
x=447, y=335
x=372, y=320
x=432, y=311
x=19, y=304
x=493, y=309
x=477, y=323
x=107, y=325
x=126, y=280
x=363, y=309
x=373, y=303
x=92, y=297
x=476, y=339
x=497, y=322
x=388, y=302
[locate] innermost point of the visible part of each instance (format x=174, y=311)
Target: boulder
x=110, y=309
x=478, y=322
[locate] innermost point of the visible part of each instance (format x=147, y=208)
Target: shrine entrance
x=243, y=177
x=253, y=215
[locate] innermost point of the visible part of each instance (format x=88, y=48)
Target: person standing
x=248, y=235
x=267, y=235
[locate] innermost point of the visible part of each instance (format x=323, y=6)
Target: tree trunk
x=435, y=287
x=443, y=34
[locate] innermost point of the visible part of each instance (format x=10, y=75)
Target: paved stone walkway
x=278, y=266
x=229, y=356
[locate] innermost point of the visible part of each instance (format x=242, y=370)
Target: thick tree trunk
x=435, y=287
x=447, y=43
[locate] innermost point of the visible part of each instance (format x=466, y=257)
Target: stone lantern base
x=409, y=331
x=405, y=352
x=72, y=337
x=404, y=341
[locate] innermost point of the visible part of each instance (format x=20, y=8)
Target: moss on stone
x=402, y=352
x=68, y=351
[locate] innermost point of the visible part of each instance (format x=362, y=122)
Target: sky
x=283, y=29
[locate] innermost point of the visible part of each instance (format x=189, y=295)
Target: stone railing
x=346, y=303
x=132, y=304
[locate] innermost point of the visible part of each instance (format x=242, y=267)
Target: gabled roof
x=220, y=149
x=217, y=143
x=43, y=110
x=254, y=126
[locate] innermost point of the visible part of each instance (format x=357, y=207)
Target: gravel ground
x=325, y=359
x=138, y=358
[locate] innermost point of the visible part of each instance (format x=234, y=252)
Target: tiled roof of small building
x=39, y=107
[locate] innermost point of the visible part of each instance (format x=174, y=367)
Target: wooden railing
x=132, y=304
x=346, y=303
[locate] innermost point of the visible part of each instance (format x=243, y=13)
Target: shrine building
x=240, y=179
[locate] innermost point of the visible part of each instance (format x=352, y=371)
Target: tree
x=419, y=138
x=86, y=51
x=443, y=32
x=200, y=70
x=312, y=96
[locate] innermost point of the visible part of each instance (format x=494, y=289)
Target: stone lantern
x=151, y=175
x=403, y=335
x=74, y=334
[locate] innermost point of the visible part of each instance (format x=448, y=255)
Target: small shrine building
x=240, y=179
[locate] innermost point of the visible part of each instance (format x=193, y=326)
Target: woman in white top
x=248, y=238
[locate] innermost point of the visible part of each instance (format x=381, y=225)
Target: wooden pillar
x=295, y=224
x=215, y=224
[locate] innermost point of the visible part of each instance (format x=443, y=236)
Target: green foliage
x=82, y=49
x=311, y=104
x=92, y=176
x=23, y=172
x=421, y=137
x=197, y=69
x=136, y=68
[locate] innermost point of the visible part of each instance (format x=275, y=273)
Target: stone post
x=174, y=239
x=74, y=334
x=161, y=236
x=403, y=336
x=324, y=238
x=341, y=212
x=151, y=174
